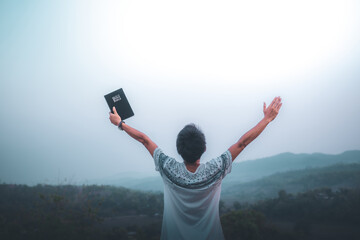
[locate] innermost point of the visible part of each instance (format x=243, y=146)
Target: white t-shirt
x=191, y=200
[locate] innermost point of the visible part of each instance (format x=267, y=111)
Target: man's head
x=190, y=143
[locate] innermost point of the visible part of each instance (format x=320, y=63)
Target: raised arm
x=137, y=135
x=270, y=114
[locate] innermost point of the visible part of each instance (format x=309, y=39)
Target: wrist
x=121, y=125
x=266, y=120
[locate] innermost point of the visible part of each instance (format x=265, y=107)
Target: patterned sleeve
x=159, y=159
x=227, y=162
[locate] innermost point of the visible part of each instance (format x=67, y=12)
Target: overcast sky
x=212, y=63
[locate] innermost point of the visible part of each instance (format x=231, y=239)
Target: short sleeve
x=227, y=162
x=159, y=158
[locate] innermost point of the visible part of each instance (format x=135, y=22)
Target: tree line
x=92, y=212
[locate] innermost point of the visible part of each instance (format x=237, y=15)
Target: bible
x=119, y=100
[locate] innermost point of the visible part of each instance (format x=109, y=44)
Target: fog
x=212, y=63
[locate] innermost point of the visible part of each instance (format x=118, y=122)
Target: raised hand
x=114, y=117
x=272, y=110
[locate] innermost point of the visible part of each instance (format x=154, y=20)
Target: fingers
x=114, y=117
x=273, y=102
x=264, y=107
x=276, y=102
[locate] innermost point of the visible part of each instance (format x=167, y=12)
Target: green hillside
x=334, y=177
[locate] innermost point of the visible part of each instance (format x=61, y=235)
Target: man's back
x=191, y=209
x=191, y=200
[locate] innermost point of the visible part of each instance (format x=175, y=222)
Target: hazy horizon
x=210, y=63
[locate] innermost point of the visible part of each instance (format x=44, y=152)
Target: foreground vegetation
x=104, y=212
x=315, y=214
x=78, y=212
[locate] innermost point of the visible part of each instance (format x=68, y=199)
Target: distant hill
x=334, y=177
x=244, y=171
x=255, y=169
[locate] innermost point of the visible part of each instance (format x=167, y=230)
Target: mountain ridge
x=335, y=177
x=245, y=171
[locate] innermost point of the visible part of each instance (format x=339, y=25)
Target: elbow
x=144, y=140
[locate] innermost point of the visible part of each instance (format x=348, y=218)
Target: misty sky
x=212, y=63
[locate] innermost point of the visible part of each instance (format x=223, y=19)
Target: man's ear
x=205, y=149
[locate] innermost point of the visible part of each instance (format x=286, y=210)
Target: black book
x=119, y=100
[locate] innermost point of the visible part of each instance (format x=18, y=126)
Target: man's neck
x=191, y=167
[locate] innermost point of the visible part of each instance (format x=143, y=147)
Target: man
x=192, y=190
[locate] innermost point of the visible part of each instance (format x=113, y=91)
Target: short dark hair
x=190, y=143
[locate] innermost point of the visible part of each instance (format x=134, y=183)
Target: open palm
x=272, y=110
